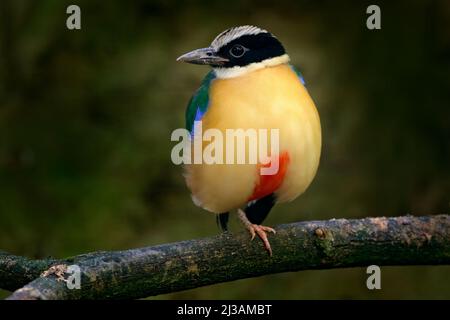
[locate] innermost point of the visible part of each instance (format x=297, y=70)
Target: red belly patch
x=268, y=184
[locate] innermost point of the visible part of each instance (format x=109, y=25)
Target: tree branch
x=143, y=272
x=16, y=271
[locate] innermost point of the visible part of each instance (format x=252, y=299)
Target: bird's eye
x=238, y=51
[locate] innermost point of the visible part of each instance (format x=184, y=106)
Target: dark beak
x=203, y=56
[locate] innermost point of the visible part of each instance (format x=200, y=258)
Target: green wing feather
x=199, y=102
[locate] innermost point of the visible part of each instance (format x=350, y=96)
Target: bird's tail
x=222, y=221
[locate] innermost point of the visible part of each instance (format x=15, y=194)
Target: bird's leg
x=256, y=229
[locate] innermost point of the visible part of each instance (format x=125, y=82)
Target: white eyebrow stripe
x=233, y=33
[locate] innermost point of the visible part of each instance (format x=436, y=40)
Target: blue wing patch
x=299, y=74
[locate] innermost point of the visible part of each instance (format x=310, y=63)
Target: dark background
x=86, y=118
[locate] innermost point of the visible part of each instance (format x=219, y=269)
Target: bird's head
x=239, y=50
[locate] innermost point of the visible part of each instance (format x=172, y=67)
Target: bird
x=252, y=84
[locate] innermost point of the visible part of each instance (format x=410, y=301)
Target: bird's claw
x=261, y=231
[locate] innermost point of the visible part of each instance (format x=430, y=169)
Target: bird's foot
x=261, y=231
x=256, y=229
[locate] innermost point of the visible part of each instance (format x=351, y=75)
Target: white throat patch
x=236, y=71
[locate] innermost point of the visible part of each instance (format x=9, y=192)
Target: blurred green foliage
x=86, y=117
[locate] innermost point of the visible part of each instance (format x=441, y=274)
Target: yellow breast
x=269, y=98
